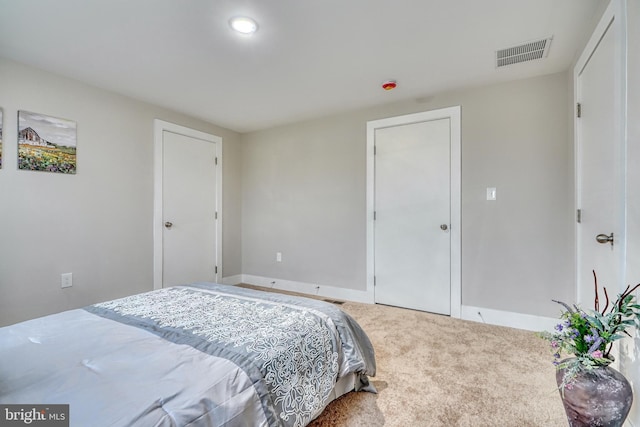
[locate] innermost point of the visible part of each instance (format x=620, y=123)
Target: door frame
x=453, y=114
x=159, y=127
x=613, y=19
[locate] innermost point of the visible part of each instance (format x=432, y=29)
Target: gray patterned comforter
x=197, y=355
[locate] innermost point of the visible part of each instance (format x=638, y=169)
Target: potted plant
x=592, y=392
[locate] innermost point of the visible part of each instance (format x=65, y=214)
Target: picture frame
x=46, y=143
x=1, y=127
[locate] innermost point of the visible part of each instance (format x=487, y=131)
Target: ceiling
x=309, y=58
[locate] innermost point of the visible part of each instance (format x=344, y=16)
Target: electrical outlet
x=66, y=280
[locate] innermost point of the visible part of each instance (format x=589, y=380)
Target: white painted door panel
x=412, y=202
x=599, y=172
x=189, y=204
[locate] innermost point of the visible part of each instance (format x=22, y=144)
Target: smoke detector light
x=389, y=85
x=243, y=25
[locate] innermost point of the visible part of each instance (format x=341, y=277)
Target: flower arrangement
x=589, y=334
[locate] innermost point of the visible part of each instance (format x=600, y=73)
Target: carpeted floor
x=438, y=371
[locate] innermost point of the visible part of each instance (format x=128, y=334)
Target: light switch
x=491, y=193
x=66, y=280
x=278, y=256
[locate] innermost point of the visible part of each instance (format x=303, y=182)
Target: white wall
x=97, y=223
x=303, y=194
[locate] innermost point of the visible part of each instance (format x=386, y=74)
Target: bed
x=196, y=355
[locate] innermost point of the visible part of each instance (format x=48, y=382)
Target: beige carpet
x=438, y=371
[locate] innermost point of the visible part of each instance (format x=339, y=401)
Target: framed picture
x=46, y=143
x=1, y=121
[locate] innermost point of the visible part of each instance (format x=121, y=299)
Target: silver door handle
x=444, y=227
x=603, y=238
x=168, y=224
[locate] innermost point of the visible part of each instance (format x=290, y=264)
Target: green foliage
x=47, y=159
x=589, y=334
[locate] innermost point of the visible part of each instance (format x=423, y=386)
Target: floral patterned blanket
x=292, y=349
x=197, y=355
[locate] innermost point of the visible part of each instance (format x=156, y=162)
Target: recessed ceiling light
x=243, y=25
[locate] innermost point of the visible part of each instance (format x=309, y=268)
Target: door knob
x=168, y=224
x=603, y=238
x=444, y=227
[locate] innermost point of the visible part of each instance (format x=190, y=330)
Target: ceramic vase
x=598, y=397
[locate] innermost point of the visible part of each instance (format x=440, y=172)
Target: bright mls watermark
x=34, y=415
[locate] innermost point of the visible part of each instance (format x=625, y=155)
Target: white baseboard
x=487, y=315
x=308, y=288
x=507, y=318
x=232, y=280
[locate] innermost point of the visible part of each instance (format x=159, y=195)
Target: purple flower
x=554, y=344
x=595, y=345
x=589, y=338
x=597, y=354
x=559, y=327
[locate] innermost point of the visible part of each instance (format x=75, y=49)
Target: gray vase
x=599, y=397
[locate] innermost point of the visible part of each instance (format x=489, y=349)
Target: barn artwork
x=46, y=143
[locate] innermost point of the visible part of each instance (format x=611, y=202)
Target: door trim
x=159, y=126
x=453, y=114
x=613, y=19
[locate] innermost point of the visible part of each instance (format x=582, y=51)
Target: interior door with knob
x=189, y=249
x=599, y=168
x=412, y=255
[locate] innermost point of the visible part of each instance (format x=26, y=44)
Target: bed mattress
x=197, y=355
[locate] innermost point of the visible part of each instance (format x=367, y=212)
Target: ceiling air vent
x=525, y=52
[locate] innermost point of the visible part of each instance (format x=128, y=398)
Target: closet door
x=412, y=216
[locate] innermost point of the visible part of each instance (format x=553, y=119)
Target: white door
x=187, y=206
x=412, y=216
x=600, y=228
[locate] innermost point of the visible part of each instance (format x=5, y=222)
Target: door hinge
x=374, y=150
x=374, y=280
x=216, y=160
x=578, y=110
x=374, y=215
x=216, y=215
x=216, y=269
x=579, y=215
